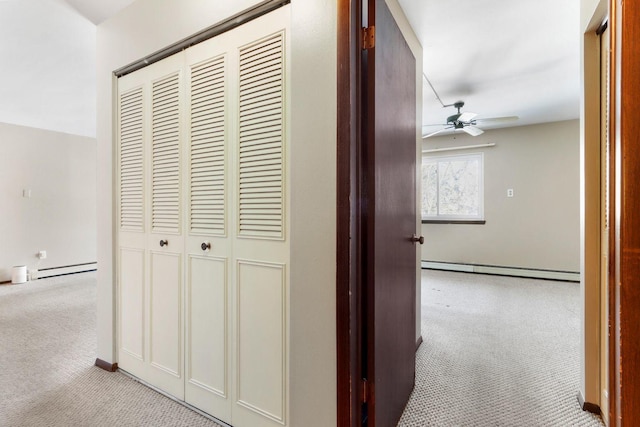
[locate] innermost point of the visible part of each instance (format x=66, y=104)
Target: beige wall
x=60, y=215
x=147, y=26
x=539, y=227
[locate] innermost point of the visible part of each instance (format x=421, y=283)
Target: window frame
x=455, y=219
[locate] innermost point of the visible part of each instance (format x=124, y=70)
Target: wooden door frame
x=351, y=263
x=624, y=111
x=348, y=256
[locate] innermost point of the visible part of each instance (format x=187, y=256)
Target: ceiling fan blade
x=435, y=133
x=436, y=124
x=466, y=117
x=499, y=119
x=472, y=130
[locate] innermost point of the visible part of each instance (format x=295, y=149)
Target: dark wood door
x=389, y=218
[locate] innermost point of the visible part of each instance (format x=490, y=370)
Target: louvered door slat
x=207, y=210
x=165, y=199
x=261, y=129
x=131, y=161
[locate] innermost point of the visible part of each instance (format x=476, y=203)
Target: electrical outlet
x=510, y=192
x=42, y=254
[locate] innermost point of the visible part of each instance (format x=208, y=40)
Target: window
x=452, y=188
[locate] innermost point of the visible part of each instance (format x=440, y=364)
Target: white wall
x=47, y=79
x=147, y=26
x=539, y=227
x=60, y=216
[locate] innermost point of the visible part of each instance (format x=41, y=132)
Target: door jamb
x=625, y=128
x=348, y=319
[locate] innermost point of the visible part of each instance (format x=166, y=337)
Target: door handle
x=164, y=243
x=416, y=239
x=205, y=246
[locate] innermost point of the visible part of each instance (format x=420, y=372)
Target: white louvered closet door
x=208, y=248
x=150, y=324
x=165, y=238
x=203, y=234
x=261, y=242
x=132, y=224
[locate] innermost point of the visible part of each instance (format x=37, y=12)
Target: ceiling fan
x=465, y=121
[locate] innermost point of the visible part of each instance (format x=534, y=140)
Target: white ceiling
x=502, y=58
x=99, y=10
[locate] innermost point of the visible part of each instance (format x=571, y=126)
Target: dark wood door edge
x=109, y=367
x=625, y=89
x=587, y=406
x=612, y=178
x=347, y=240
x=418, y=342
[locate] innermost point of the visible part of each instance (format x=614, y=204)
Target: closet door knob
x=164, y=243
x=416, y=239
x=205, y=246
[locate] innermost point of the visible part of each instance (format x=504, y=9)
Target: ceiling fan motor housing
x=453, y=119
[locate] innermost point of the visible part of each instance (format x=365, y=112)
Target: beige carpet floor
x=497, y=351
x=47, y=377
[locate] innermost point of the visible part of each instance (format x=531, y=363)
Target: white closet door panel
x=164, y=242
x=132, y=274
x=261, y=356
x=260, y=245
x=207, y=386
x=131, y=299
x=208, y=353
x=165, y=317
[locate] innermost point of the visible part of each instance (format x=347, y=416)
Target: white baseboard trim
x=67, y=269
x=567, y=276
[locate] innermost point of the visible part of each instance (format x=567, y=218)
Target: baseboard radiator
x=567, y=276
x=67, y=269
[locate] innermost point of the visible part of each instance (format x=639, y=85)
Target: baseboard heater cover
x=566, y=276
x=67, y=269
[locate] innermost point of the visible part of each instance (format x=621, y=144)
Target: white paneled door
x=208, y=247
x=165, y=241
x=261, y=243
x=203, y=260
x=151, y=242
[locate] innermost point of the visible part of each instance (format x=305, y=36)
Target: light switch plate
x=510, y=192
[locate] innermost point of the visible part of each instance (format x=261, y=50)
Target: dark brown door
x=389, y=222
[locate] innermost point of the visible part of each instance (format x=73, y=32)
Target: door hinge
x=365, y=390
x=369, y=37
